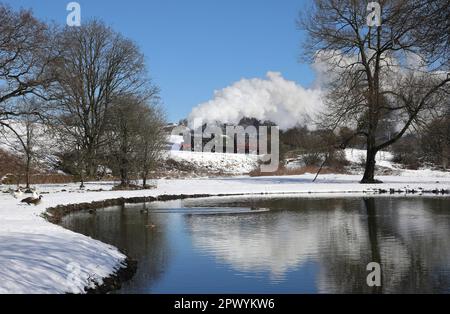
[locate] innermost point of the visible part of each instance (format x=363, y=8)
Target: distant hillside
x=9, y=163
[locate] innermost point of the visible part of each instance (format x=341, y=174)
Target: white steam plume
x=276, y=99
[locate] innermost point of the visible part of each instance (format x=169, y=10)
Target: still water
x=279, y=245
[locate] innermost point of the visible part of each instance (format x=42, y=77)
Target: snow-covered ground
x=39, y=257
x=217, y=163
x=243, y=164
x=356, y=157
x=384, y=160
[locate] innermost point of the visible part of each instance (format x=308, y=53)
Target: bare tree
x=136, y=132
x=377, y=75
x=24, y=134
x=124, y=126
x=151, y=142
x=433, y=32
x=27, y=54
x=436, y=141
x=28, y=144
x=97, y=65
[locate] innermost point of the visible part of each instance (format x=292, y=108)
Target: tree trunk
x=81, y=168
x=445, y=155
x=91, y=167
x=27, y=174
x=369, y=173
x=144, y=181
x=124, y=173
x=321, y=167
x=124, y=166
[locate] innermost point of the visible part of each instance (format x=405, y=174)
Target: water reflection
x=300, y=245
x=409, y=238
x=130, y=229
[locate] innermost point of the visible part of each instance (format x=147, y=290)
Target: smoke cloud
x=274, y=98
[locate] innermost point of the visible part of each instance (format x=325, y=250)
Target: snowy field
x=217, y=163
x=38, y=257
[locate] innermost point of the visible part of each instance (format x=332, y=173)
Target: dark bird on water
x=32, y=200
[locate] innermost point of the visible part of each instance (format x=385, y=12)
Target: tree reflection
x=130, y=230
x=372, y=228
x=409, y=238
x=341, y=235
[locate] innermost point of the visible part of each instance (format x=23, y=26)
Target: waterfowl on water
x=32, y=200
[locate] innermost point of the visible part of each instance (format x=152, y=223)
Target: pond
x=279, y=244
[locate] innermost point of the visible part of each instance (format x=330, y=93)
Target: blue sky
x=194, y=47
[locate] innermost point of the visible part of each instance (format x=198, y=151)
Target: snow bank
x=39, y=257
